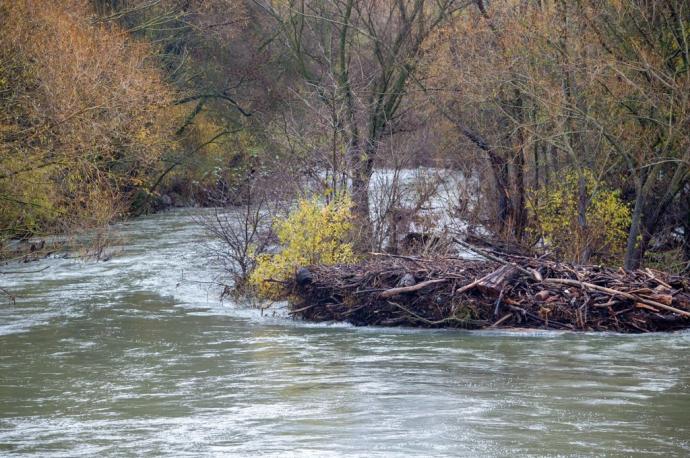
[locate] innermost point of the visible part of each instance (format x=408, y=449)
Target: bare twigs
x=614, y=292
x=528, y=293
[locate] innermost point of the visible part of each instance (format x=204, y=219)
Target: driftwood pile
x=506, y=292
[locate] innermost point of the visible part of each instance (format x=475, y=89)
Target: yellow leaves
x=555, y=212
x=83, y=116
x=215, y=150
x=312, y=234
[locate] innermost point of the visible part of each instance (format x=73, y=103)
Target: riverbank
x=513, y=292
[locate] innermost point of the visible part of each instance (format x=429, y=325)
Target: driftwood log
x=508, y=291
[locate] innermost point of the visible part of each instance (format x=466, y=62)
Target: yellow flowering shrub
x=555, y=219
x=313, y=233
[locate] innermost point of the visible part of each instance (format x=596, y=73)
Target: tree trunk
x=518, y=204
x=653, y=210
x=519, y=210
x=362, y=161
x=501, y=174
x=582, y=204
x=537, y=166
x=686, y=231
x=630, y=261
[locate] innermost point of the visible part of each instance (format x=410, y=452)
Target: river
x=137, y=356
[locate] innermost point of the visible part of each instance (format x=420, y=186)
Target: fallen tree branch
x=409, y=289
x=569, y=297
x=615, y=292
x=506, y=317
x=7, y=272
x=491, y=257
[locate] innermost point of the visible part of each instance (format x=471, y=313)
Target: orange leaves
x=88, y=99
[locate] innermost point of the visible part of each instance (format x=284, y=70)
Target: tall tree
x=359, y=56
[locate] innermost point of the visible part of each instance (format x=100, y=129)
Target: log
x=615, y=292
x=492, y=283
x=497, y=280
x=410, y=289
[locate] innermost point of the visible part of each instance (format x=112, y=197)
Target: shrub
x=555, y=219
x=313, y=233
x=85, y=118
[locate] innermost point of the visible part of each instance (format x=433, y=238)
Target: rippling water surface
x=137, y=356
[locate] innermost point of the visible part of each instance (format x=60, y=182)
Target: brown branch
x=614, y=292
x=409, y=289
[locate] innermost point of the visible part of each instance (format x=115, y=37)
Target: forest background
x=565, y=121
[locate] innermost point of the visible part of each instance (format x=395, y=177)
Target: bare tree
x=241, y=225
x=367, y=51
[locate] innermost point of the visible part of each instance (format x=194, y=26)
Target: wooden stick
x=614, y=292
x=409, y=289
x=503, y=319
x=399, y=256
x=5, y=272
x=653, y=277
x=469, y=286
x=491, y=257
x=292, y=312
x=421, y=318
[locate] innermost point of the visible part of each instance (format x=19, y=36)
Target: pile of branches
x=491, y=293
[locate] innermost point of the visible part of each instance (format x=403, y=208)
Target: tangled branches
x=504, y=292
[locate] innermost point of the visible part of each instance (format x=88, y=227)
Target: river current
x=137, y=356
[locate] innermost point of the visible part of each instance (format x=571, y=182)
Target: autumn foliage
x=106, y=105
x=85, y=117
x=313, y=233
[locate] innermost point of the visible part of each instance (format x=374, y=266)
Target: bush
x=312, y=234
x=85, y=118
x=555, y=219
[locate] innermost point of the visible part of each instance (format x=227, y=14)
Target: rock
x=542, y=295
x=166, y=201
x=303, y=276
x=407, y=280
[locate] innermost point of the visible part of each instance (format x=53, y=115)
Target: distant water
x=137, y=356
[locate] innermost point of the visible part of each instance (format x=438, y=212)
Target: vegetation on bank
x=566, y=121
x=85, y=118
x=92, y=127
x=311, y=234
x=555, y=220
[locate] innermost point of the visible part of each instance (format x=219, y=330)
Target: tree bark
x=582, y=204
x=630, y=248
x=519, y=210
x=686, y=230
x=362, y=163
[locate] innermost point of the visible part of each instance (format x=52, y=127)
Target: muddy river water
x=138, y=356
